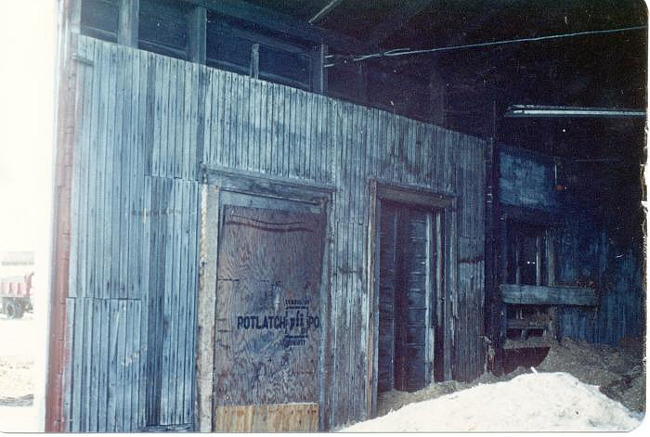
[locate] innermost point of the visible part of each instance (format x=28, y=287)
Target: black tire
x=13, y=310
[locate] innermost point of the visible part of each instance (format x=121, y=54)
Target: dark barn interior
x=425, y=190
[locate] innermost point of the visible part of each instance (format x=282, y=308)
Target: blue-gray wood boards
x=147, y=125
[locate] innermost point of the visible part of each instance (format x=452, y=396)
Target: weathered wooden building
x=234, y=243
x=253, y=232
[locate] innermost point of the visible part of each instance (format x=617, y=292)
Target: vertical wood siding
x=103, y=392
x=583, y=252
x=148, y=124
x=587, y=254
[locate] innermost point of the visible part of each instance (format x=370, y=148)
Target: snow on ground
x=18, y=343
x=529, y=402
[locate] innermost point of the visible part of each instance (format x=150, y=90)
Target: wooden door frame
x=418, y=197
x=217, y=185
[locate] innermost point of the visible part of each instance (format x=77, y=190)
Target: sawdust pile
x=531, y=402
x=617, y=372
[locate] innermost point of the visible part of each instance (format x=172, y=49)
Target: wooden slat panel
x=267, y=418
x=102, y=384
x=171, y=311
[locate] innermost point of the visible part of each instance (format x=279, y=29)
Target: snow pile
x=531, y=402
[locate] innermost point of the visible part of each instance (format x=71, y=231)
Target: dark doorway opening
x=410, y=292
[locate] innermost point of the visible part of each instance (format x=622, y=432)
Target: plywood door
x=268, y=319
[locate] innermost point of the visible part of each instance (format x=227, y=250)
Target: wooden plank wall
x=135, y=238
x=103, y=393
x=588, y=256
x=584, y=253
x=172, y=301
x=527, y=179
x=149, y=122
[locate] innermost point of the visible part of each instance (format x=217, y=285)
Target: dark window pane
x=528, y=259
x=228, y=51
x=526, y=254
x=284, y=67
x=281, y=60
x=99, y=19
x=163, y=27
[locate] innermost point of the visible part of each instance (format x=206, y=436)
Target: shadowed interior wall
x=585, y=252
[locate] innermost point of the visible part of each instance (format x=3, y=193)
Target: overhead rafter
x=395, y=20
x=323, y=12
x=279, y=22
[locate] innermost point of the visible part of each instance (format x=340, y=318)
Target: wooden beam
x=414, y=196
x=530, y=215
x=275, y=187
x=395, y=20
x=197, y=26
x=128, y=23
x=537, y=295
x=323, y=12
x=273, y=20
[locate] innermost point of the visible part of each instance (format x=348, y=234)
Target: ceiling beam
x=395, y=20
x=279, y=22
x=323, y=12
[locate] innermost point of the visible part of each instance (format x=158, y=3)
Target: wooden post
x=255, y=61
x=129, y=19
x=197, y=20
x=66, y=116
x=318, y=70
x=362, y=92
x=495, y=245
x=373, y=302
x=550, y=257
x=206, y=308
x=538, y=260
x=437, y=88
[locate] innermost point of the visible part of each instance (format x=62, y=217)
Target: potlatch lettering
x=299, y=321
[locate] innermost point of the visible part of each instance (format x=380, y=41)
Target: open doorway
x=411, y=284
